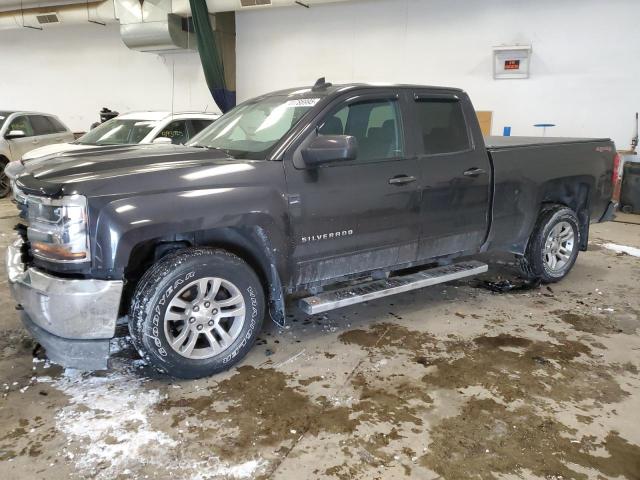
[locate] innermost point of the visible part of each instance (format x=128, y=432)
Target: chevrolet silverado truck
x=348, y=193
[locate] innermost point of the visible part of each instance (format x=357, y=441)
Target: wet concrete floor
x=449, y=382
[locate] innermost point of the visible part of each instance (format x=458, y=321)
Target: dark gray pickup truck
x=392, y=188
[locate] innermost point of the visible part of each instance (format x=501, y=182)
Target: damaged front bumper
x=72, y=319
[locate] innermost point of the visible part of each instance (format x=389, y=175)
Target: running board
x=373, y=289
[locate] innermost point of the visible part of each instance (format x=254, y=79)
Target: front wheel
x=5, y=185
x=197, y=312
x=553, y=246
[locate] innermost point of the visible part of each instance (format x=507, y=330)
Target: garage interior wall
x=75, y=70
x=584, y=68
x=584, y=72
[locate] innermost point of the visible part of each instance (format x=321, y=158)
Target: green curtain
x=211, y=57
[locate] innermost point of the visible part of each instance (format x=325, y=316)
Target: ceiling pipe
x=70, y=12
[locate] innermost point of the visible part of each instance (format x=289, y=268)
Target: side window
x=176, y=131
x=58, y=127
x=199, y=124
x=442, y=126
x=21, y=123
x=41, y=125
x=375, y=124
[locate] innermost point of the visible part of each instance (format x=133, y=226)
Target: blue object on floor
x=506, y=132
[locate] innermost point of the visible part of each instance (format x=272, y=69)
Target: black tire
x=162, y=283
x=533, y=264
x=5, y=186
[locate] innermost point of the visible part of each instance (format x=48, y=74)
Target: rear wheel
x=553, y=246
x=196, y=312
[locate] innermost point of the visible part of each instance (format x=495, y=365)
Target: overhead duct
x=55, y=13
x=10, y=5
x=151, y=26
x=16, y=14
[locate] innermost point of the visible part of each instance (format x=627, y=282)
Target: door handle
x=34, y=142
x=401, y=180
x=474, y=172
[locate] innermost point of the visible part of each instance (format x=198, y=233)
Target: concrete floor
x=447, y=382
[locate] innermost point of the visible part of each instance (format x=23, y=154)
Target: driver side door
x=20, y=146
x=354, y=216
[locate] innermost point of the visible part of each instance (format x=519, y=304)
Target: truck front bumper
x=72, y=319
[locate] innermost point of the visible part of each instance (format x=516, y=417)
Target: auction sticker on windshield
x=302, y=102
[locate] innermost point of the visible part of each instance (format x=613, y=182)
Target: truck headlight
x=58, y=228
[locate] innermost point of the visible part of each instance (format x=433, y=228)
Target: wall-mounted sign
x=511, y=61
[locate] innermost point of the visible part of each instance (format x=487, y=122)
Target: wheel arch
x=252, y=244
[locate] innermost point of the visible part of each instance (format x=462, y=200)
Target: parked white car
x=23, y=132
x=135, y=127
x=126, y=129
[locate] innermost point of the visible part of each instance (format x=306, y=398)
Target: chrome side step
x=373, y=289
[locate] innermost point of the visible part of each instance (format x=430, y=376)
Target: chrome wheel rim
x=558, y=247
x=204, y=318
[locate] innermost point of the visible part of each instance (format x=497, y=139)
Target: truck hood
x=53, y=149
x=129, y=169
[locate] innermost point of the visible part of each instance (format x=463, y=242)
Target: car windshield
x=252, y=129
x=118, y=132
x=3, y=117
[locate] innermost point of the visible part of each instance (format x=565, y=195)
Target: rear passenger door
x=455, y=174
x=44, y=130
x=356, y=215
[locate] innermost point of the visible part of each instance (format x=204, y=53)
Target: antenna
x=173, y=83
x=321, y=84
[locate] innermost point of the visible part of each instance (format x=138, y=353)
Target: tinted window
x=199, y=124
x=58, y=126
x=376, y=125
x=442, y=126
x=21, y=123
x=41, y=125
x=176, y=131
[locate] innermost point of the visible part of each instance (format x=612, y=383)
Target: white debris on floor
x=633, y=251
x=243, y=470
x=108, y=418
x=109, y=432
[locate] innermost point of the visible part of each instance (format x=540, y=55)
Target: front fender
x=126, y=222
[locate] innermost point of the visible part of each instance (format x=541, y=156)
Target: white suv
x=22, y=132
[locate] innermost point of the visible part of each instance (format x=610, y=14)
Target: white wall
x=585, y=67
x=74, y=71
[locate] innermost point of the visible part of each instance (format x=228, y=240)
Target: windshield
x=118, y=132
x=252, y=129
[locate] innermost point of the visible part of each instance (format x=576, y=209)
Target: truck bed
x=501, y=143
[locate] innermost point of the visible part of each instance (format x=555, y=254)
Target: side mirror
x=330, y=148
x=162, y=141
x=15, y=134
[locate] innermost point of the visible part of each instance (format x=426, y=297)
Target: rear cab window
x=441, y=125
